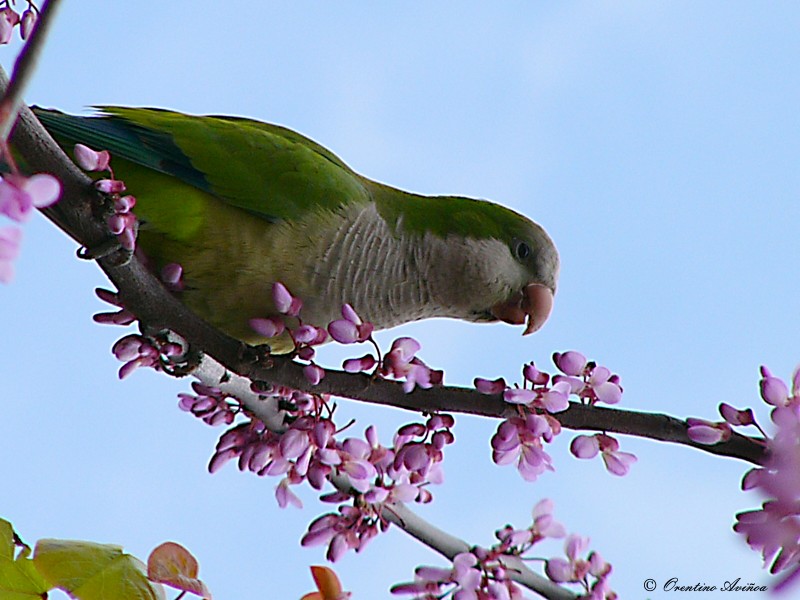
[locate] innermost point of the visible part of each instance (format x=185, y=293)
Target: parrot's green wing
x=268, y=170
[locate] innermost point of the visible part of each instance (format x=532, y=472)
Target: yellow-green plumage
x=241, y=204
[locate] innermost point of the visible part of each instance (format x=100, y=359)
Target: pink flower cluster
x=705, y=432
x=475, y=575
x=304, y=336
x=351, y=528
x=521, y=439
x=399, y=363
x=121, y=221
x=121, y=317
x=579, y=377
x=591, y=572
x=399, y=474
x=774, y=529
x=587, y=380
x=350, y=329
x=210, y=404
x=18, y=197
x=140, y=351
x=9, y=19
x=518, y=541
x=308, y=451
x=481, y=575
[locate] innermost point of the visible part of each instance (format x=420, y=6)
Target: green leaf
x=6, y=539
x=90, y=571
x=19, y=579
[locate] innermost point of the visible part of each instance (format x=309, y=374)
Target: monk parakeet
x=241, y=204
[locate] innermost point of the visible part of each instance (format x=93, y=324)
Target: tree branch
x=449, y=546
x=144, y=295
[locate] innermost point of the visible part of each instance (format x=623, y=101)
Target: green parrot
x=241, y=204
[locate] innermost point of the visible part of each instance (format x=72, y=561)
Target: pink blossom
x=735, y=416
x=773, y=389
x=343, y=331
x=707, y=432
x=171, y=275
x=587, y=380
x=29, y=18
x=490, y=387
x=10, y=238
x=417, y=375
x=544, y=526
x=570, y=362
x=521, y=440
x=520, y=396
x=356, y=365
x=210, y=404
x=309, y=334
x=351, y=329
x=400, y=363
x=11, y=15
x=285, y=303
x=124, y=204
x=534, y=375
x=118, y=222
x=585, y=446
x=122, y=222
x=110, y=186
x=617, y=463
x=122, y=317
x=578, y=569
x=352, y=528
x=556, y=399
x=606, y=388
x=559, y=570
x=8, y=20
x=269, y=327
x=752, y=479
x=402, y=351
x=20, y=195
x=775, y=528
x=480, y=575
x=139, y=351
x=91, y=160
x=293, y=443
x=285, y=496
x=313, y=373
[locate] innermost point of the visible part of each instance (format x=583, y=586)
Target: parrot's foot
x=110, y=249
x=261, y=354
x=185, y=365
x=176, y=357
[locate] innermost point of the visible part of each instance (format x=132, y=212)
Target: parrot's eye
x=522, y=250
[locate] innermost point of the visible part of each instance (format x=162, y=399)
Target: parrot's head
x=489, y=264
x=520, y=273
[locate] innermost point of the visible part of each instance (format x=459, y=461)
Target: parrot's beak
x=532, y=306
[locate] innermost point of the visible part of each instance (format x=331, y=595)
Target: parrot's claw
x=260, y=354
x=110, y=248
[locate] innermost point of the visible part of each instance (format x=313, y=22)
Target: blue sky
x=657, y=143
